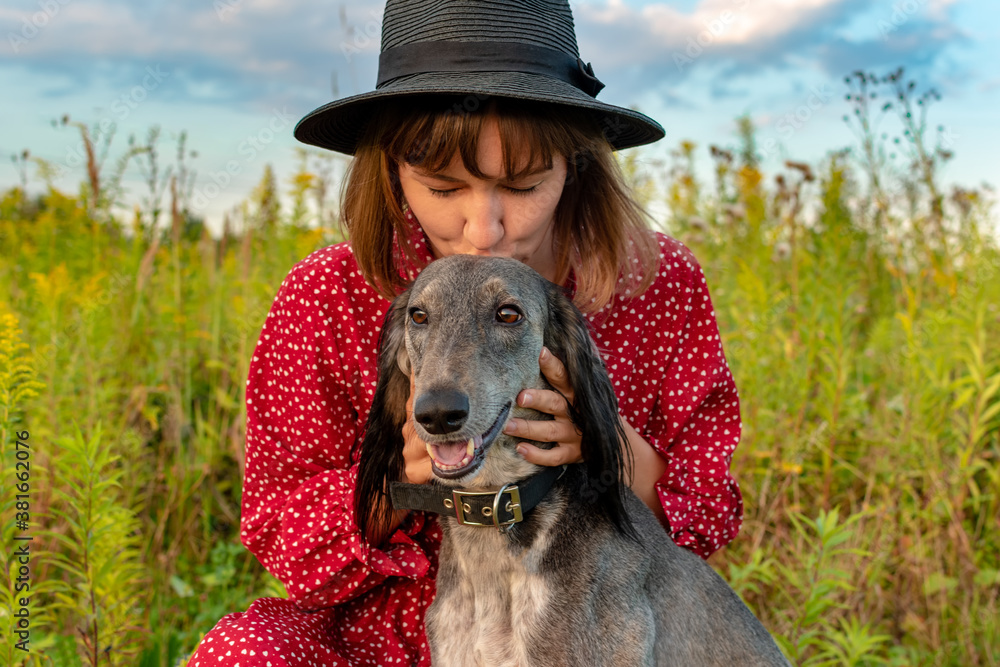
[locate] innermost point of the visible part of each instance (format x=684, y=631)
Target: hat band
x=451, y=56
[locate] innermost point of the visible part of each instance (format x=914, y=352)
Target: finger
x=556, y=456
x=409, y=399
x=557, y=430
x=543, y=400
x=555, y=372
x=417, y=463
x=418, y=472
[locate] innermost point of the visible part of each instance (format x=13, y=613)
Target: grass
x=859, y=306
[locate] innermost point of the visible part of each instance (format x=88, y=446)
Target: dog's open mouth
x=450, y=460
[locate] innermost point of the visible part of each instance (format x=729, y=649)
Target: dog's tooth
x=430, y=452
x=471, y=447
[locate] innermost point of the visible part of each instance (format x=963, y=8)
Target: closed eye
x=520, y=191
x=513, y=191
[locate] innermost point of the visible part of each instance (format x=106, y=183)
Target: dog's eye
x=418, y=316
x=509, y=315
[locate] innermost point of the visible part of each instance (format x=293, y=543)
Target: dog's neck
x=528, y=536
x=496, y=509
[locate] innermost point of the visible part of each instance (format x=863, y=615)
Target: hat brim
x=338, y=125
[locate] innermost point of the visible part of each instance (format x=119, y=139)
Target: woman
x=483, y=137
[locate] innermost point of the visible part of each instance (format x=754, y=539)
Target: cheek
x=536, y=218
x=517, y=344
x=431, y=211
x=523, y=351
x=437, y=222
x=542, y=208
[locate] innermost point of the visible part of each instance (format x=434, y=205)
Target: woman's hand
x=648, y=464
x=417, y=461
x=562, y=431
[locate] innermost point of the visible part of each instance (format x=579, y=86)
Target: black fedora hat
x=476, y=49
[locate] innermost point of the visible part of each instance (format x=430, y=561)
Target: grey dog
x=539, y=567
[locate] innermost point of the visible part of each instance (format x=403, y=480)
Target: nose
x=441, y=411
x=484, y=221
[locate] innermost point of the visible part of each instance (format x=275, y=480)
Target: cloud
x=258, y=51
x=725, y=39
x=302, y=54
x=727, y=26
x=917, y=45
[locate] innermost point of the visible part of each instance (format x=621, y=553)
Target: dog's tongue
x=452, y=453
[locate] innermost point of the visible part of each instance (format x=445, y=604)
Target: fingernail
x=511, y=426
x=522, y=450
x=545, y=354
x=526, y=400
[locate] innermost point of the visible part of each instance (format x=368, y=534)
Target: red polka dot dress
x=310, y=387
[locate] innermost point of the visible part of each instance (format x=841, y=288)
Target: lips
x=457, y=458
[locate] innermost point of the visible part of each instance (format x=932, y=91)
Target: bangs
x=432, y=136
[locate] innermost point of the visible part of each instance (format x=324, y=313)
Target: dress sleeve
x=298, y=489
x=696, y=426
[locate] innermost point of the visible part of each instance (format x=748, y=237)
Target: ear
x=594, y=410
x=381, y=449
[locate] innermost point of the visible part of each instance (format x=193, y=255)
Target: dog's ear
x=381, y=449
x=594, y=410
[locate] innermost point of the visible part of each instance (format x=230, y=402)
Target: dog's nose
x=441, y=411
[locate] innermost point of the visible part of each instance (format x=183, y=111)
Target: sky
x=236, y=75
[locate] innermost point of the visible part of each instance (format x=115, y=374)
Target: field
x=859, y=304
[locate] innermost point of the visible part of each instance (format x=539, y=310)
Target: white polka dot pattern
x=311, y=380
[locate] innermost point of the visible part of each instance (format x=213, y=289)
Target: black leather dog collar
x=500, y=508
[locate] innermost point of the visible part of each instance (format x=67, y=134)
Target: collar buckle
x=463, y=509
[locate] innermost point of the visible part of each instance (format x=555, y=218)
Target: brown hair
x=600, y=231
